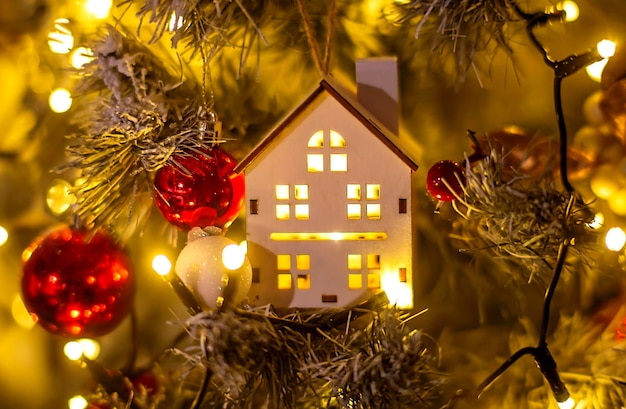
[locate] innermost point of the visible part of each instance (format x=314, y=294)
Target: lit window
x=338, y=162
x=317, y=140
x=354, y=192
x=284, y=281
x=373, y=261
x=282, y=212
x=302, y=211
x=354, y=262
x=354, y=211
x=301, y=192
x=336, y=140
x=373, y=280
x=373, y=211
x=304, y=281
x=303, y=261
x=373, y=192
x=282, y=192
x=315, y=162
x=355, y=281
x=283, y=262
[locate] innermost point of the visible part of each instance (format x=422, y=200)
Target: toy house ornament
x=329, y=194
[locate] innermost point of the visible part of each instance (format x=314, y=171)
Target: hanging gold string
x=321, y=65
x=329, y=36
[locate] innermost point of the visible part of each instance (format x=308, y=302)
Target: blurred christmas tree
x=143, y=86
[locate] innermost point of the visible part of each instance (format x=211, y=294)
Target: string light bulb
x=4, y=236
x=98, y=8
x=161, y=264
x=77, y=402
x=233, y=256
x=615, y=239
x=606, y=48
x=569, y=403
x=60, y=100
x=81, y=56
x=572, y=12
x=61, y=40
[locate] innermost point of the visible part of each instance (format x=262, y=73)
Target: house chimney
x=377, y=89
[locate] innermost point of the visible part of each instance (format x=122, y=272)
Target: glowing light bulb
x=568, y=404
x=81, y=56
x=77, y=402
x=572, y=12
x=91, y=348
x=606, y=48
x=60, y=100
x=4, y=236
x=175, y=22
x=73, y=350
x=233, y=256
x=98, y=8
x=86, y=347
x=59, y=197
x=615, y=239
x=594, y=71
x=399, y=294
x=597, y=221
x=161, y=265
x=336, y=236
x=61, y=41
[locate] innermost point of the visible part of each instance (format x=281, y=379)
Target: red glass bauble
x=453, y=175
x=74, y=286
x=200, y=190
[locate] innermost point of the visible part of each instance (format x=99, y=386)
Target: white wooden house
x=329, y=198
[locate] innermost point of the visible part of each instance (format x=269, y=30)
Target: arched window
x=338, y=162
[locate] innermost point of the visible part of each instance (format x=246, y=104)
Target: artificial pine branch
x=520, y=219
x=137, y=115
x=374, y=361
x=464, y=28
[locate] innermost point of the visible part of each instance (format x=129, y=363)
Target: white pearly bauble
x=215, y=269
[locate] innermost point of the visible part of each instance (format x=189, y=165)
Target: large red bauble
x=74, y=286
x=200, y=190
x=453, y=175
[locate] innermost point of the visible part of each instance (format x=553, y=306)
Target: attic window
x=317, y=140
x=336, y=140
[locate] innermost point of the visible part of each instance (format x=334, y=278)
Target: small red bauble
x=454, y=176
x=74, y=286
x=201, y=190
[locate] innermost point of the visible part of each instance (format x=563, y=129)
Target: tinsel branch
x=201, y=25
x=463, y=28
x=367, y=358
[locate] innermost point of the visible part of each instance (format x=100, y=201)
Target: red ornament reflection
x=201, y=190
x=77, y=287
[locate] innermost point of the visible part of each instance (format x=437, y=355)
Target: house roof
x=349, y=102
